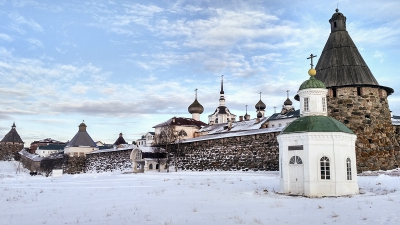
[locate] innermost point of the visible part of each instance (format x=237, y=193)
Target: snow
x=185, y=198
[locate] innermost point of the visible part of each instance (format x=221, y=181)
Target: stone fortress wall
x=252, y=152
x=365, y=110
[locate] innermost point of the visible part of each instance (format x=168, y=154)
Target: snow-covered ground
x=185, y=198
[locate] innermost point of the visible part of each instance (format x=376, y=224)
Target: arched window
x=348, y=165
x=157, y=166
x=295, y=160
x=325, y=168
x=138, y=155
x=150, y=166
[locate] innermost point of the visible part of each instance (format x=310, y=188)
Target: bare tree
x=165, y=138
x=179, y=135
x=158, y=150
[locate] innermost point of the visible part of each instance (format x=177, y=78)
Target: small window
x=324, y=104
x=348, y=165
x=359, y=91
x=334, y=24
x=306, y=105
x=325, y=168
x=157, y=166
x=334, y=92
x=273, y=125
x=280, y=125
x=150, y=166
x=295, y=160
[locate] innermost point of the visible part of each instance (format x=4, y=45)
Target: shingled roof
x=340, y=63
x=120, y=140
x=81, y=138
x=12, y=136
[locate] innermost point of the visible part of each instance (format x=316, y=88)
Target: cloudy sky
x=125, y=66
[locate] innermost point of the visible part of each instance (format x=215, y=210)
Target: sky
x=125, y=66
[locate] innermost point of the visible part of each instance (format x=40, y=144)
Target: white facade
x=313, y=102
x=45, y=153
x=140, y=164
x=316, y=153
x=79, y=151
x=146, y=140
x=280, y=122
x=308, y=177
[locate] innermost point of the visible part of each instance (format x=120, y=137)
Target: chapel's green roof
x=316, y=124
x=312, y=83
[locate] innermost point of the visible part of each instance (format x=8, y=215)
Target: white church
x=316, y=152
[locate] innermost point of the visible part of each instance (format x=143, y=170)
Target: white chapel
x=316, y=152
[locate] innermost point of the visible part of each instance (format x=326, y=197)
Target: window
x=334, y=24
x=359, y=91
x=295, y=160
x=324, y=104
x=334, y=92
x=348, y=165
x=157, y=166
x=306, y=104
x=325, y=169
x=273, y=125
x=150, y=166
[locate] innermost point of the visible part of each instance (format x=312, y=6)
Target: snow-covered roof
x=123, y=148
x=33, y=157
x=279, y=116
x=236, y=126
x=233, y=134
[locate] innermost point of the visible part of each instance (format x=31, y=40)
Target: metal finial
x=287, y=93
x=260, y=95
x=196, y=93
x=246, y=109
x=274, y=109
x=337, y=8
x=311, y=57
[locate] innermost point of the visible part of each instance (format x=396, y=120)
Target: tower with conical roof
x=196, y=108
x=81, y=143
x=10, y=144
x=221, y=113
x=357, y=99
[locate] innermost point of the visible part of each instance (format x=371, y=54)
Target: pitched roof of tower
x=120, y=140
x=316, y=124
x=12, y=136
x=340, y=63
x=82, y=138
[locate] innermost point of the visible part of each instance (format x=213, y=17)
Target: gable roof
x=12, y=136
x=236, y=126
x=279, y=116
x=180, y=121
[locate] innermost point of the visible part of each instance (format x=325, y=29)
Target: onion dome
x=312, y=82
x=259, y=115
x=196, y=107
x=288, y=102
x=260, y=105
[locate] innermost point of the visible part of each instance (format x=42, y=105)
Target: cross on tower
x=311, y=57
x=260, y=95
x=287, y=93
x=196, y=92
x=246, y=109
